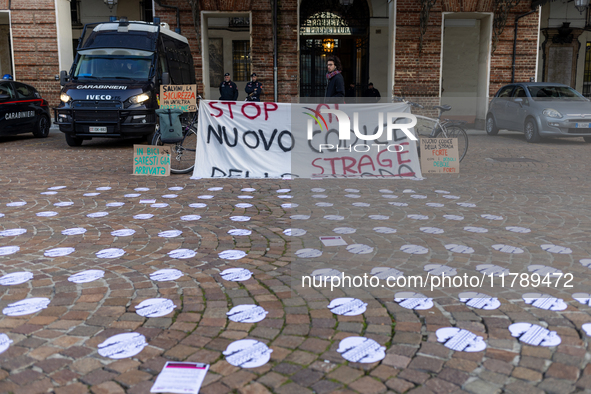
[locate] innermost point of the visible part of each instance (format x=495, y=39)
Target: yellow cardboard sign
x=183, y=97
x=151, y=160
x=439, y=156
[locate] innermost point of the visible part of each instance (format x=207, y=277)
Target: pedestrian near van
x=335, y=90
x=372, y=92
x=253, y=89
x=351, y=91
x=228, y=89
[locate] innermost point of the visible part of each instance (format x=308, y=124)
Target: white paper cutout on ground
x=141, y=189
x=86, y=276
x=115, y=204
x=398, y=204
x=317, y=190
x=413, y=300
x=240, y=218
x=13, y=232
x=205, y=197
x=74, y=231
x=585, y=262
x=90, y=194
x=243, y=205
x=384, y=230
x=432, y=230
x=389, y=196
x=507, y=249
x=434, y=204
x=290, y=205
x=247, y=353
x=26, y=307
x=479, y=300
x=326, y=274
x=196, y=178
x=544, y=301
x=344, y=230
x=442, y=191
x=170, y=233
x=189, y=218
x=282, y=196
x=333, y=240
x=56, y=187
x=324, y=204
x=408, y=191
x=491, y=269
x=460, y=340
x=247, y=313
x=520, y=230
x=63, y=204
x=143, y=216
x=583, y=298
x=294, y=232
x=132, y=195
x=58, y=252
x=587, y=328
x=159, y=205
x=232, y=254
x=352, y=195
x=491, y=217
x=453, y=217
x=438, y=269
x=111, y=253
x=248, y=189
x=48, y=193
x=359, y=249
x=236, y=274
x=244, y=197
x=4, y=342
x=239, y=231
x=308, y=253
x=15, y=278
x=317, y=196
x=361, y=204
x=418, y=196
x=149, y=201
x=155, y=307
x=361, y=350
x=181, y=254
x=283, y=190
x=379, y=217
x=449, y=196
x=178, y=188
x=97, y=214
x=478, y=230
x=352, y=190
x=544, y=270
x=165, y=275
x=466, y=204
x=46, y=213
x=170, y=196
x=384, y=273
x=385, y=191
x=198, y=205
x=534, y=335
x=125, y=232
x=122, y=345
x=347, y=306
x=414, y=249
x=7, y=250
x=334, y=217
x=459, y=248
x=16, y=204
x=556, y=249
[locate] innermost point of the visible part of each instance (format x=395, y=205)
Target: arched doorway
x=328, y=27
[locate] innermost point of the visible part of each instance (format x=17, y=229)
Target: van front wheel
x=73, y=141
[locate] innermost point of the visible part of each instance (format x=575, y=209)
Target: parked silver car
x=538, y=110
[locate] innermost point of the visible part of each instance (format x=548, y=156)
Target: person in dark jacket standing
x=372, y=92
x=253, y=89
x=228, y=89
x=335, y=90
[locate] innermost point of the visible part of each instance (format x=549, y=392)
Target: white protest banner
x=273, y=140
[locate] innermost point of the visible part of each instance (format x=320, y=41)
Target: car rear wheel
x=587, y=139
x=491, y=126
x=42, y=127
x=531, y=131
x=73, y=141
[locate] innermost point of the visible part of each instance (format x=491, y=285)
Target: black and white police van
x=113, y=86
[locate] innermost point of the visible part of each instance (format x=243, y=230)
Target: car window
x=6, y=89
x=24, y=91
x=506, y=91
x=519, y=92
x=546, y=93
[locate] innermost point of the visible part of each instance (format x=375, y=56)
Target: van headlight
x=552, y=113
x=140, y=98
x=65, y=98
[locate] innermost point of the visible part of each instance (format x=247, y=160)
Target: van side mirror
x=165, y=79
x=63, y=77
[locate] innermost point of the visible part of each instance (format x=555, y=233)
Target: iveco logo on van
x=98, y=97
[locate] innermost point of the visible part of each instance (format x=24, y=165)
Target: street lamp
x=113, y=3
x=581, y=5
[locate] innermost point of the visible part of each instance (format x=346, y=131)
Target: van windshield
x=100, y=66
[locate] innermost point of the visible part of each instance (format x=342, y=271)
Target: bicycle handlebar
x=402, y=99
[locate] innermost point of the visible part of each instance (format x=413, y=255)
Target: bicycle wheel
x=182, y=154
x=454, y=131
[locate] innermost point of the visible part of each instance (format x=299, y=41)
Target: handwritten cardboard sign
x=183, y=97
x=151, y=160
x=439, y=156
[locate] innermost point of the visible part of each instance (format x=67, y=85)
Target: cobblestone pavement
x=56, y=349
